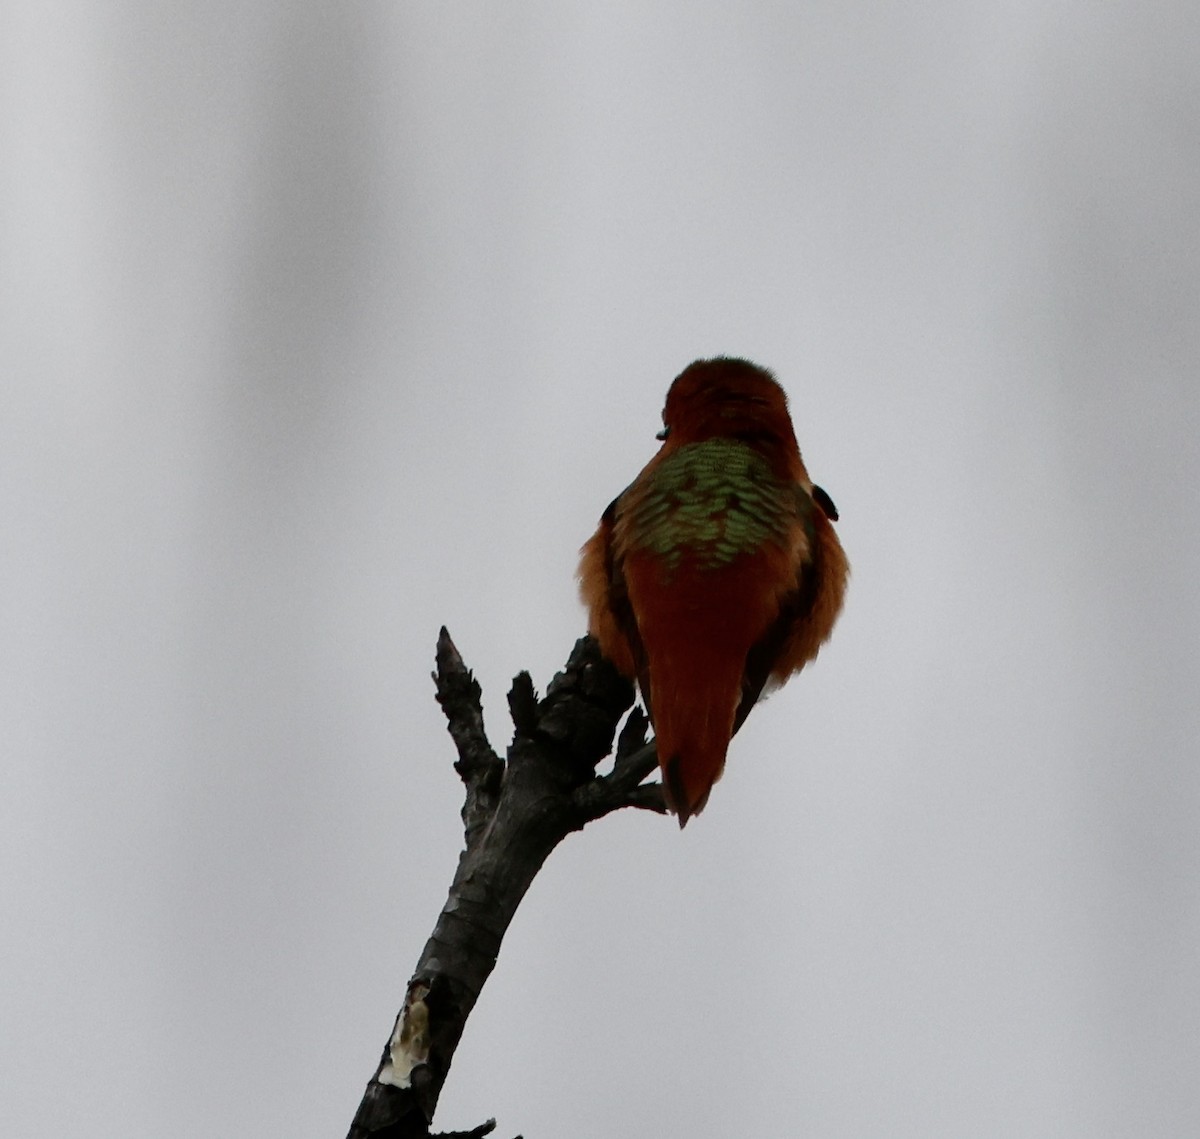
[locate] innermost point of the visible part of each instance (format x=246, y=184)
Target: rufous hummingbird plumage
x=717, y=572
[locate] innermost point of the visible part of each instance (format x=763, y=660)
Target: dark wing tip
x=825, y=503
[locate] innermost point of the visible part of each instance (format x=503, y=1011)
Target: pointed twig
x=479, y=767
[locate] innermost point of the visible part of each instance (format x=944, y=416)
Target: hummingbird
x=716, y=574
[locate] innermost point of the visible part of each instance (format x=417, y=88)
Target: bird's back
x=708, y=538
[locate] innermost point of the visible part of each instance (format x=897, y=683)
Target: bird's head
x=727, y=398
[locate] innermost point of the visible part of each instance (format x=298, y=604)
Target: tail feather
x=685, y=797
x=693, y=724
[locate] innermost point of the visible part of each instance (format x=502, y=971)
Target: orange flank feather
x=717, y=572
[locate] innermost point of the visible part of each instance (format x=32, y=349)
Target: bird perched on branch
x=717, y=572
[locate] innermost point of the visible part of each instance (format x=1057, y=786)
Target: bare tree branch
x=516, y=811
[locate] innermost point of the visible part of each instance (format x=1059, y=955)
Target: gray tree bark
x=516, y=811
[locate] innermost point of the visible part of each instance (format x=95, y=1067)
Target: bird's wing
x=806, y=612
x=602, y=585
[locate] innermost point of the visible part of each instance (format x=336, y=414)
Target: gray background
x=323, y=325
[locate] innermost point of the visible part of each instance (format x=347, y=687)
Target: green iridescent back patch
x=715, y=500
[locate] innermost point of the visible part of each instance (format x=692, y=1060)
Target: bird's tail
x=694, y=708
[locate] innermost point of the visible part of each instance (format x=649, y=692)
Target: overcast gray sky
x=323, y=325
